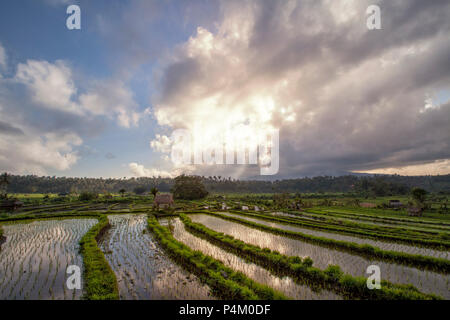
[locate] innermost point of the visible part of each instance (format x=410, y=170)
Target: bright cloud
x=345, y=98
x=139, y=170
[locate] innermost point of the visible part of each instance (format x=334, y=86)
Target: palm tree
x=4, y=182
x=122, y=191
x=154, y=191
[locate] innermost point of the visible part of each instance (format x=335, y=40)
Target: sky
x=104, y=101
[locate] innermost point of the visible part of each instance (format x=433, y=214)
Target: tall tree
x=4, y=182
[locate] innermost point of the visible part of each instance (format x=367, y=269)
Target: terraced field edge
x=302, y=270
x=224, y=282
x=413, y=260
x=373, y=231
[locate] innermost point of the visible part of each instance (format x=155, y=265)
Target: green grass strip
x=223, y=281
x=302, y=271
x=351, y=212
x=100, y=280
x=363, y=225
x=436, y=244
x=413, y=260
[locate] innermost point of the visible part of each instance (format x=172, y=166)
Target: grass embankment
x=412, y=238
x=404, y=230
x=302, y=270
x=223, y=281
x=354, y=214
x=100, y=280
x=365, y=250
x=437, y=230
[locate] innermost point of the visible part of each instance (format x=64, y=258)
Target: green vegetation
x=318, y=213
x=154, y=191
x=100, y=280
x=302, y=271
x=140, y=190
x=4, y=182
x=189, y=188
x=87, y=196
x=365, y=250
x=223, y=281
x=363, y=230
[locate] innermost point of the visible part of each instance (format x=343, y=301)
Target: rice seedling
x=360, y=230
x=285, y=285
x=366, y=250
x=302, y=269
x=426, y=281
x=383, y=245
x=142, y=269
x=223, y=281
x=34, y=258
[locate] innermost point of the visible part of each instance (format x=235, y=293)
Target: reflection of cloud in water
x=35, y=256
x=142, y=269
x=426, y=281
x=286, y=285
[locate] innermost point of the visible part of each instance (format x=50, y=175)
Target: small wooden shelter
x=395, y=204
x=10, y=204
x=166, y=200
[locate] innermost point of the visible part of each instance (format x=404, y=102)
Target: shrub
x=87, y=196
x=140, y=190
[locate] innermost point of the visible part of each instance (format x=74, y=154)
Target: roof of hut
x=164, y=198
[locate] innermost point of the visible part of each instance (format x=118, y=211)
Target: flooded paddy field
x=142, y=269
x=420, y=226
x=35, y=256
x=384, y=245
x=426, y=281
x=284, y=285
x=390, y=220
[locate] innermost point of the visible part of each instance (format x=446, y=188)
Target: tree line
x=377, y=185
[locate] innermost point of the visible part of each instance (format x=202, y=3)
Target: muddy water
x=384, y=245
x=35, y=257
x=426, y=281
x=142, y=269
x=284, y=285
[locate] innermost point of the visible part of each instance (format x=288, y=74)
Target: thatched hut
x=166, y=200
x=10, y=204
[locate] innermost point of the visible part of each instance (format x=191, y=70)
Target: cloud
x=113, y=99
x=345, y=98
x=43, y=117
x=6, y=128
x=438, y=167
x=3, y=58
x=31, y=154
x=139, y=170
x=161, y=143
x=52, y=87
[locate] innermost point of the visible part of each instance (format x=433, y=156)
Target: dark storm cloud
x=363, y=99
x=6, y=128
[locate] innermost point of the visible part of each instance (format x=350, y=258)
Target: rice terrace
x=222, y=246
x=225, y=158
